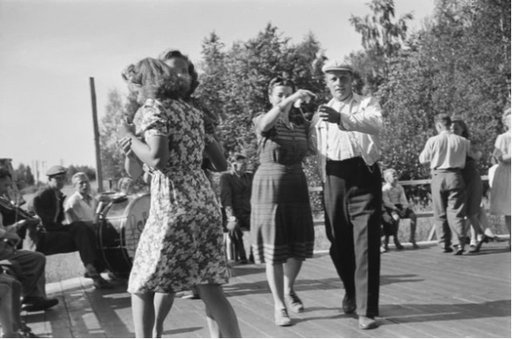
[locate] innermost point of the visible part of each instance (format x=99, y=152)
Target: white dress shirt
x=356, y=135
x=83, y=207
x=445, y=151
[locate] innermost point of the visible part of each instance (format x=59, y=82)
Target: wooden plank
x=424, y=293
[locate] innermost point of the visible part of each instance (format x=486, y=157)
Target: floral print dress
x=181, y=244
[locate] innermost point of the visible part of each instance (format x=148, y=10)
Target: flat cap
x=55, y=170
x=336, y=65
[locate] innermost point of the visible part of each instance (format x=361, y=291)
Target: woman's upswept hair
x=175, y=53
x=465, y=129
x=280, y=81
x=152, y=79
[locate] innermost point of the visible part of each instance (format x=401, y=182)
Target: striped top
x=281, y=144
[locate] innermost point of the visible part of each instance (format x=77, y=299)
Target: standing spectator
x=181, y=244
x=81, y=205
x=235, y=198
x=446, y=153
x=397, y=206
x=346, y=133
x=474, y=188
x=500, y=188
x=281, y=221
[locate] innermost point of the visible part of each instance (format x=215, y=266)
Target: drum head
x=136, y=214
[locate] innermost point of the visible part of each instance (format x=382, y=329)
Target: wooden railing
x=419, y=214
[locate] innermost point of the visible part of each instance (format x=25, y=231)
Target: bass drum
x=120, y=227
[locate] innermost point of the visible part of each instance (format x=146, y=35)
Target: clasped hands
x=126, y=132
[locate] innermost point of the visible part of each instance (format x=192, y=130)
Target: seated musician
x=81, y=205
x=54, y=237
x=28, y=267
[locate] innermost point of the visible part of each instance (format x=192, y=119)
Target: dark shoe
x=348, y=304
x=367, y=323
x=101, y=283
x=460, y=251
x=447, y=250
x=34, y=304
x=281, y=317
x=399, y=246
x=26, y=332
x=479, y=245
x=295, y=303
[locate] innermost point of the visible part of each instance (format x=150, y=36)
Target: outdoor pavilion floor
x=424, y=293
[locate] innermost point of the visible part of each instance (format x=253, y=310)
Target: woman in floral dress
x=181, y=244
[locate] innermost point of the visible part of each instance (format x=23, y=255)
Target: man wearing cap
x=58, y=238
x=235, y=198
x=345, y=133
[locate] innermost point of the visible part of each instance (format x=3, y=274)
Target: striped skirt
x=281, y=220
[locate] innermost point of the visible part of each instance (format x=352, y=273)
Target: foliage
x=234, y=81
x=24, y=176
x=459, y=65
x=382, y=38
x=112, y=159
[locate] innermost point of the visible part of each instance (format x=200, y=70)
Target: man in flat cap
x=48, y=204
x=345, y=133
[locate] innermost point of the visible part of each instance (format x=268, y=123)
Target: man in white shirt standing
x=81, y=206
x=345, y=133
x=446, y=154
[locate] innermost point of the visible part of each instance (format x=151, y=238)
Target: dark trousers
x=448, y=202
x=29, y=268
x=77, y=236
x=236, y=235
x=353, y=207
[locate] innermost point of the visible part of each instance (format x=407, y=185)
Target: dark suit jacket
x=46, y=204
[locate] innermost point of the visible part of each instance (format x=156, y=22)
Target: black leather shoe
x=348, y=304
x=33, y=304
x=101, y=283
x=367, y=323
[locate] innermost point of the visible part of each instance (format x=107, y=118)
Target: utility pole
x=99, y=176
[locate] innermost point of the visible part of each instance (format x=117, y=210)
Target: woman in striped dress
x=281, y=222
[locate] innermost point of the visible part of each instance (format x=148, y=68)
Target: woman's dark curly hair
x=174, y=53
x=280, y=81
x=152, y=79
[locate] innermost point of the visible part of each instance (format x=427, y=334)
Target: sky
x=49, y=49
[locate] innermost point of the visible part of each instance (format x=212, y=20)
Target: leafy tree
x=112, y=159
x=382, y=38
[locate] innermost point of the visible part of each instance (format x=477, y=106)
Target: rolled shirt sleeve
x=367, y=118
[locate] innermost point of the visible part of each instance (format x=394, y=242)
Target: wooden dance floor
x=424, y=293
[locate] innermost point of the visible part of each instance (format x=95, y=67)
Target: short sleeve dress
x=500, y=186
x=281, y=219
x=181, y=244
